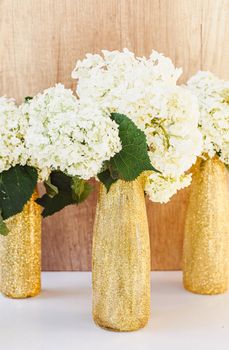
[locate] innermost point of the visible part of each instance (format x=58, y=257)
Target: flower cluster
x=213, y=96
x=63, y=134
x=158, y=189
x=56, y=130
x=12, y=126
x=145, y=90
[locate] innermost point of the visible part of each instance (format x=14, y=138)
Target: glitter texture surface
x=206, y=243
x=20, y=253
x=121, y=258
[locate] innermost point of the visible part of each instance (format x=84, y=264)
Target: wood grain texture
x=166, y=26
x=215, y=37
x=40, y=41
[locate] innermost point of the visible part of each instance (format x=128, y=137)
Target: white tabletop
x=60, y=318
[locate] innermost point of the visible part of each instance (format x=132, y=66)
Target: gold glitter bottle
x=206, y=242
x=121, y=258
x=20, y=253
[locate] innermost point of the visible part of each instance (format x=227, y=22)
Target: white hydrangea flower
x=161, y=188
x=171, y=130
x=145, y=90
x=213, y=96
x=12, y=125
x=63, y=134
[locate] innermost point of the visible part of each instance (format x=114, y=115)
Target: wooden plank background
x=40, y=41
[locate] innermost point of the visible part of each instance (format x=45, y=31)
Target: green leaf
x=3, y=227
x=16, y=187
x=71, y=190
x=55, y=204
x=64, y=197
x=61, y=180
x=133, y=158
x=80, y=189
x=106, y=178
x=28, y=98
x=51, y=189
x=105, y=166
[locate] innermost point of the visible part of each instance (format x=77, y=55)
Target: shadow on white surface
x=63, y=293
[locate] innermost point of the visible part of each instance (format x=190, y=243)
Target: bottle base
x=205, y=291
x=134, y=326
x=20, y=296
